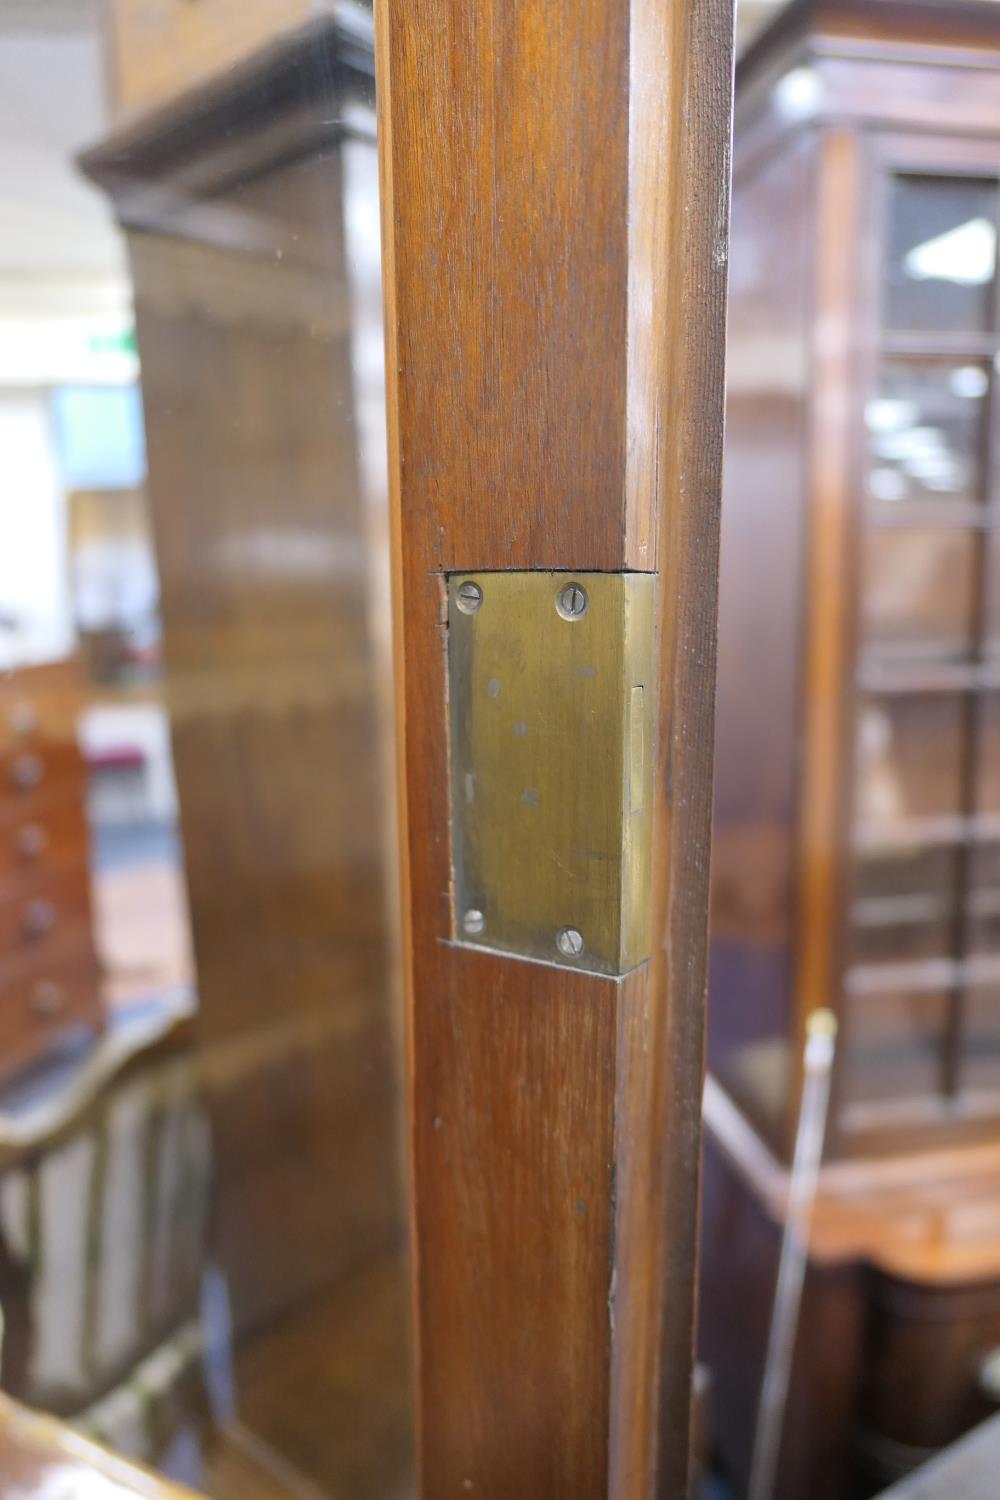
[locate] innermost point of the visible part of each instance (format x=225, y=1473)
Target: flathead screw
x=572, y=601
x=569, y=942
x=469, y=597
x=473, y=923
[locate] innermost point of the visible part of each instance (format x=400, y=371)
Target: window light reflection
x=966, y=255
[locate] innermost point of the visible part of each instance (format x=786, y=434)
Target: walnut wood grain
x=555, y=192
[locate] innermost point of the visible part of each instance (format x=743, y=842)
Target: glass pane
x=904, y=906
x=942, y=254
x=927, y=431
x=908, y=759
x=893, y=1046
x=917, y=592
x=205, y=1251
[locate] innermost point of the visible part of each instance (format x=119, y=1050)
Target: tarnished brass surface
x=552, y=763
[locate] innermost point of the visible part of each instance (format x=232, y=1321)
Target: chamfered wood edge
x=662, y=1010
x=396, y=542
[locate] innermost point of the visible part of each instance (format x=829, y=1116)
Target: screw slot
x=572, y=602
x=569, y=942
x=473, y=923
x=469, y=597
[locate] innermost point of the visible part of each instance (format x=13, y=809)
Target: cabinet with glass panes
x=861, y=591
x=922, y=950
x=856, y=858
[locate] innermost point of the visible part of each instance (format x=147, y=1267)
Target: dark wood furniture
x=49, y=979
x=857, y=831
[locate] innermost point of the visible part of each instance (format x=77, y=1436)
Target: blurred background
x=202, y=1214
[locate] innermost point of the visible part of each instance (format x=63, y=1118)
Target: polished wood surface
x=931, y=1219
x=901, y=1310
x=680, y=241
x=39, y=1456
x=554, y=403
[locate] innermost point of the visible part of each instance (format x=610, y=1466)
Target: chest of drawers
x=49, y=977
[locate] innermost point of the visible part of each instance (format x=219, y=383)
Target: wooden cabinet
x=858, y=800
x=49, y=983
x=857, y=851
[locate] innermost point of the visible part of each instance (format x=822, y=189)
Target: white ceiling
x=53, y=226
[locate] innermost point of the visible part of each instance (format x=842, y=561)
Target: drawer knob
x=39, y=918
x=49, y=998
x=32, y=841
x=27, y=771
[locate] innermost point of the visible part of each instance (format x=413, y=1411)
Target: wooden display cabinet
x=857, y=850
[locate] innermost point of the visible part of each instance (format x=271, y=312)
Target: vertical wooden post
x=555, y=210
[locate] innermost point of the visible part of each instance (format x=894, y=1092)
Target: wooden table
x=40, y=1456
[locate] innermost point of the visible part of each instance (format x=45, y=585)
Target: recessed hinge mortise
x=551, y=690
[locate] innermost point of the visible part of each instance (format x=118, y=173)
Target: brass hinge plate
x=551, y=696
